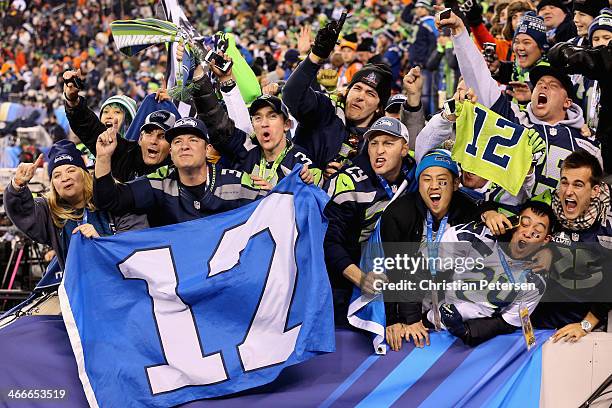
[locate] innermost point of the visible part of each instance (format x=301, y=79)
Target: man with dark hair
x=580, y=278
x=420, y=218
x=476, y=316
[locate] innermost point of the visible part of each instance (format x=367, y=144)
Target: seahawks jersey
x=506, y=202
x=492, y=265
x=246, y=155
x=582, y=256
x=358, y=199
x=163, y=197
x=561, y=140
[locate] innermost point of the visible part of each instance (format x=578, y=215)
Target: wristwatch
x=586, y=325
x=227, y=86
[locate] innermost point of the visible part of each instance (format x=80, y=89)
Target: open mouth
x=522, y=244
x=542, y=99
x=435, y=198
x=108, y=124
x=265, y=136
x=521, y=55
x=570, y=204
x=152, y=153
x=380, y=162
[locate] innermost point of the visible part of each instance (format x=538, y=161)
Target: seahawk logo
x=186, y=122
x=385, y=122
x=160, y=115
x=62, y=157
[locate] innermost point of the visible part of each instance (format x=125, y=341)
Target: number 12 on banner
x=495, y=141
x=187, y=363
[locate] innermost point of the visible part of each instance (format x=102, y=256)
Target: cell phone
x=78, y=83
x=220, y=62
x=515, y=220
x=444, y=14
x=449, y=107
x=342, y=20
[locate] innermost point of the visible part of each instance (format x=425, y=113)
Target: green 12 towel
x=491, y=146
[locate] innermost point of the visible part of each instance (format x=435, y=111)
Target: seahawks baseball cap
x=187, y=126
x=269, y=100
x=390, y=126
x=161, y=119
x=395, y=102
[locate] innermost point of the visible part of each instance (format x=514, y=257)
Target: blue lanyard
x=507, y=269
x=432, y=246
x=84, y=220
x=385, y=184
x=441, y=229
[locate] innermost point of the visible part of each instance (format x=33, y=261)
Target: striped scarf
x=596, y=212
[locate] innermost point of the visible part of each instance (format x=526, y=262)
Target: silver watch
x=586, y=325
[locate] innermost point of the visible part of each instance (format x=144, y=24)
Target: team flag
x=204, y=308
x=133, y=36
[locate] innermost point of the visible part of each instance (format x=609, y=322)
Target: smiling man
x=551, y=111
x=581, y=271
x=359, y=193
x=191, y=189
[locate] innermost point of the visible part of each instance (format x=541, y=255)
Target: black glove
x=572, y=59
x=473, y=12
x=327, y=37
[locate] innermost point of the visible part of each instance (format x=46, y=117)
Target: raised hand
x=304, y=41
x=453, y=22
x=71, y=92
x=413, y=86
x=222, y=76
x=25, y=172
x=326, y=39
x=107, y=141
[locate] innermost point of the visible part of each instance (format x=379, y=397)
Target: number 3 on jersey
x=501, y=126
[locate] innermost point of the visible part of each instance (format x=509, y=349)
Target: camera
x=489, y=51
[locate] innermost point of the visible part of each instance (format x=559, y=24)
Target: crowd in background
x=367, y=108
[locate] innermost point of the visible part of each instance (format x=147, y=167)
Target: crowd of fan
x=359, y=107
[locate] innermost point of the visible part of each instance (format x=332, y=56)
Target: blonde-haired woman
x=65, y=210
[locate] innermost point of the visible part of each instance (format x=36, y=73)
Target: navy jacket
x=321, y=125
